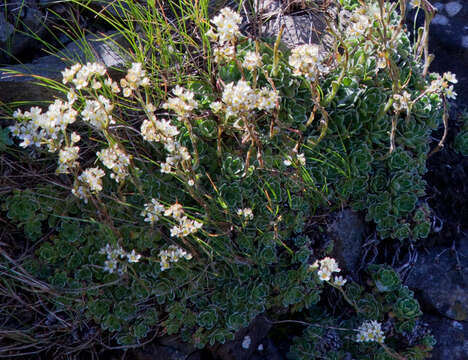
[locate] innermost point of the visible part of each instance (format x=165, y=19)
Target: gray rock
x=301, y=29
x=451, y=336
x=246, y=342
x=347, y=233
x=441, y=286
x=18, y=35
x=21, y=82
x=266, y=350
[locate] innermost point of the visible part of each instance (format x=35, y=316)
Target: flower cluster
x=224, y=53
x=441, y=85
x=116, y=253
x=136, y=77
x=152, y=211
x=68, y=155
x=98, y=112
x=81, y=75
x=252, y=60
x=227, y=26
x=245, y=213
x=402, y=102
x=172, y=255
x=326, y=267
x=359, y=24
x=240, y=99
x=183, y=104
x=308, y=61
x=91, y=182
x=370, y=331
x=185, y=226
x=115, y=159
x=300, y=158
x=37, y=128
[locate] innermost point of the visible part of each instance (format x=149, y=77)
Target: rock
x=266, y=350
x=451, y=336
x=20, y=82
x=19, y=25
x=300, y=29
x=347, y=233
x=246, y=342
x=166, y=348
x=440, y=286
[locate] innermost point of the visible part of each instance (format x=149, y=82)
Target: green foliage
x=386, y=300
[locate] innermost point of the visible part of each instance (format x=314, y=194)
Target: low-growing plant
x=188, y=194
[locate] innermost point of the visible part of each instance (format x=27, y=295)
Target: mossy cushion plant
x=187, y=201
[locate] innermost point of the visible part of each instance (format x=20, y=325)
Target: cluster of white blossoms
x=401, y=102
x=136, y=77
x=184, y=227
x=370, y=331
x=224, y=53
x=227, y=26
x=81, y=75
x=300, y=158
x=415, y=3
x=116, y=253
x=227, y=30
x=359, y=24
x=183, y=104
x=308, y=61
x=165, y=132
x=115, y=159
x=240, y=99
x=246, y=213
x=68, y=155
x=252, y=60
x=36, y=128
x=172, y=255
x=441, y=85
x=326, y=267
x=98, y=112
x=152, y=211
x=89, y=182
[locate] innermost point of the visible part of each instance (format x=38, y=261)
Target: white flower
x=450, y=77
x=133, y=257
x=308, y=61
x=370, y=331
x=152, y=211
x=301, y=159
x=92, y=177
x=176, y=211
x=324, y=274
x=216, y=106
x=449, y=93
x=172, y=255
x=116, y=160
x=110, y=265
x=326, y=267
x=252, y=60
x=183, y=104
x=245, y=213
x=227, y=25
x=339, y=281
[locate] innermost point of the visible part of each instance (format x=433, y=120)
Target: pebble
x=453, y=8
